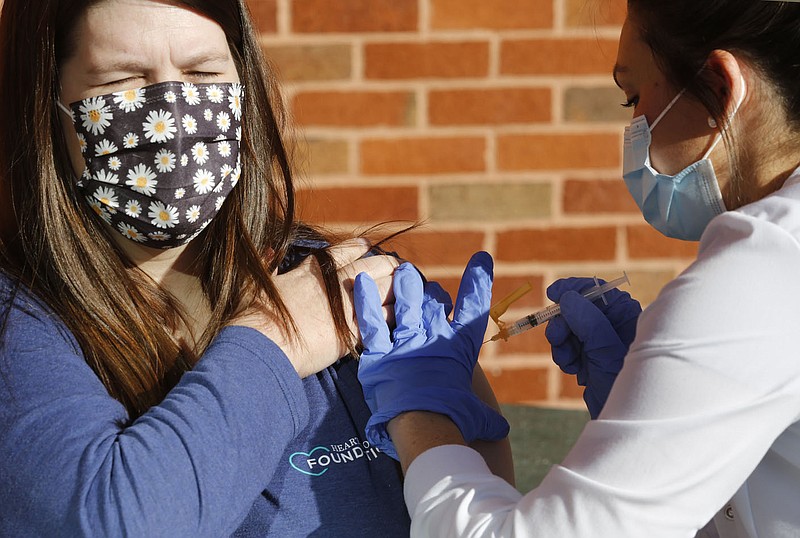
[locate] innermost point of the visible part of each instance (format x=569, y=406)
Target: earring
x=712, y=122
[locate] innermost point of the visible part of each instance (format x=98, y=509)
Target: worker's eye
x=632, y=102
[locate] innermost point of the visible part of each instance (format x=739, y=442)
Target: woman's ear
x=727, y=76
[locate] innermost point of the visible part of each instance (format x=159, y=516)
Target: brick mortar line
x=603, y=82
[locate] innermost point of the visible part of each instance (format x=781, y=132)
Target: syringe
x=537, y=318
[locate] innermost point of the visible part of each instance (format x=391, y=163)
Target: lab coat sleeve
x=709, y=384
x=72, y=465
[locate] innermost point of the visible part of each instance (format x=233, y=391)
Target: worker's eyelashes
x=632, y=102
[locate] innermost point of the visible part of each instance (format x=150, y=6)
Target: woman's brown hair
x=51, y=242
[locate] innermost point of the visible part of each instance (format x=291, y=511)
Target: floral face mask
x=160, y=160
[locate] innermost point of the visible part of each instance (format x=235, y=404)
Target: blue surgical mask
x=678, y=206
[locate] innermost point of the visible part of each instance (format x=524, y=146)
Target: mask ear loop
x=729, y=120
x=668, y=107
x=66, y=111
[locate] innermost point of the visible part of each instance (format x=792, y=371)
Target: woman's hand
x=316, y=345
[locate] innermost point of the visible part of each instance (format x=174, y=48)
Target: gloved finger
x=434, y=290
x=408, y=296
x=557, y=331
x=474, y=298
x=369, y=313
x=567, y=356
x=434, y=317
x=584, y=318
x=563, y=285
x=494, y=426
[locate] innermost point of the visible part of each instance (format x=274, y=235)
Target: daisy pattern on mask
x=219, y=186
x=180, y=193
x=130, y=232
x=98, y=209
x=214, y=94
x=193, y=213
x=235, y=100
x=159, y=236
x=82, y=142
x=189, y=124
x=184, y=160
x=108, y=198
x=104, y=147
x=203, y=181
x=129, y=100
x=133, y=208
x=142, y=179
x=235, y=175
x=164, y=161
x=190, y=93
x=219, y=202
x=225, y=171
x=96, y=115
x=224, y=149
x=238, y=134
x=163, y=215
x=223, y=122
x=130, y=141
x=114, y=163
x=170, y=97
x=106, y=177
x=159, y=126
x=200, y=153
x=208, y=115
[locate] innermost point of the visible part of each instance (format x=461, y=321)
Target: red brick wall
x=497, y=123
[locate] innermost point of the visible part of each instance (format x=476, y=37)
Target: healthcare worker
x=703, y=417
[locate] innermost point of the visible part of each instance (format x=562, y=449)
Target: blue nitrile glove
x=590, y=338
x=428, y=364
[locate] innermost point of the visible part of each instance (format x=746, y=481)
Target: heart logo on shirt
x=307, y=462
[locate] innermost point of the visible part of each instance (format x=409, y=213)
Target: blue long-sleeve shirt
x=240, y=446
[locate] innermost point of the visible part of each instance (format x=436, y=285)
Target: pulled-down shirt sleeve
x=72, y=465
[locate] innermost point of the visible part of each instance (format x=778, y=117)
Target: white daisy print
x=104, y=147
x=223, y=121
x=235, y=100
x=82, y=142
x=87, y=174
x=219, y=186
x=193, y=213
x=130, y=141
x=170, y=97
x=214, y=94
x=142, y=179
x=96, y=115
x=130, y=100
x=238, y=134
x=106, y=177
x=224, y=148
x=163, y=216
x=133, y=208
x=130, y=232
x=98, y=208
x=208, y=115
x=203, y=181
x=165, y=161
x=225, y=171
x=189, y=124
x=159, y=126
x=184, y=160
x=180, y=193
x=190, y=93
x=200, y=153
x=159, y=236
x=219, y=202
x=235, y=175
x=114, y=163
x=107, y=197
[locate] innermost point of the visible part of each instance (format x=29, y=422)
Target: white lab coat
x=702, y=420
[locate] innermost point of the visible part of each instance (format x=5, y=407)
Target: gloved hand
x=591, y=339
x=427, y=365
